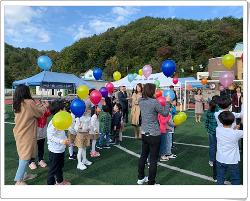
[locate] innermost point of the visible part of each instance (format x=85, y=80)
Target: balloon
x=97, y=73
x=140, y=72
x=95, y=97
x=162, y=100
x=110, y=87
x=62, y=120
x=82, y=91
x=228, y=61
x=175, y=80
x=147, y=70
x=221, y=88
x=117, y=75
x=204, y=81
x=158, y=93
x=226, y=79
x=169, y=93
x=104, y=91
x=183, y=116
x=178, y=120
x=44, y=62
x=130, y=77
x=135, y=75
x=77, y=107
x=157, y=83
x=168, y=67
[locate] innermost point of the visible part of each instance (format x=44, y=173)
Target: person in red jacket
x=41, y=135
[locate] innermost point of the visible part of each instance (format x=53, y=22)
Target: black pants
x=116, y=136
x=56, y=163
x=40, y=147
x=151, y=147
x=214, y=170
x=125, y=113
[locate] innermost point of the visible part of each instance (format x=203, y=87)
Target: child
x=105, y=128
x=94, y=131
x=116, y=122
x=170, y=131
x=228, y=155
x=210, y=125
x=57, y=141
x=72, y=136
x=82, y=140
x=41, y=135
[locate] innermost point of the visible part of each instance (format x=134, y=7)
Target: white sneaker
x=144, y=180
x=227, y=182
x=157, y=184
x=172, y=156
x=87, y=162
x=211, y=164
x=81, y=166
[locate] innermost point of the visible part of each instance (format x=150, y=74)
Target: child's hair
x=105, y=108
x=216, y=98
x=226, y=118
x=22, y=92
x=224, y=102
x=56, y=106
x=212, y=105
x=119, y=106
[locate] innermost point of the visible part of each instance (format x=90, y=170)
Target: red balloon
x=175, y=80
x=158, y=93
x=95, y=97
x=162, y=100
x=110, y=87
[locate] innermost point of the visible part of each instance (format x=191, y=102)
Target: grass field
x=117, y=167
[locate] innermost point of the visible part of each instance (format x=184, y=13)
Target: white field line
x=188, y=172
x=193, y=145
x=6, y=122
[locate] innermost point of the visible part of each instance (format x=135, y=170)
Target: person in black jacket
x=123, y=100
x=108, y=102
x=116, y=122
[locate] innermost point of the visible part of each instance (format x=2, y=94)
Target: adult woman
x=237, y=102
x=25, y=130
x=150, y=108
x=198, y=106
x=135, y=110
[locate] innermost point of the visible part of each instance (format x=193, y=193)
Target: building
x=88, y=76
x=202, y=75
x=215, y=66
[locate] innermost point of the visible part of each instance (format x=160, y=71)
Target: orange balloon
x=204, y=81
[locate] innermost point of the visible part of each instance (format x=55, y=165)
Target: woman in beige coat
x=25, y=130
x=135, y=110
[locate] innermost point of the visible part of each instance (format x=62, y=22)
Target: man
x=172, y=88
x=123, y=100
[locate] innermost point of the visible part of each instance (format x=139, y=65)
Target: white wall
x=40, y=91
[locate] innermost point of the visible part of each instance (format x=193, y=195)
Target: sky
x=56, y=27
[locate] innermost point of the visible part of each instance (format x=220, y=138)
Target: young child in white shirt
x=228, y=154
x=72, y=136
x=57, y=141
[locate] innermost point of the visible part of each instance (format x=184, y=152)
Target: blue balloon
x=77, y=107
x=168, y=67
x=169, y=93
x=97, y=73
x=131, y=77
x=44, y=62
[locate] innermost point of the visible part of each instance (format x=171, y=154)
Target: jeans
x=163, y=145
x=125, y=113
x=21, y=170
x=150, y=147
x=169, y=143
x=40, y=146
x=233, y=170
x=212, y=147
x=102, y=137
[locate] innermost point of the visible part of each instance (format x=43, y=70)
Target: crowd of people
x=102, y=125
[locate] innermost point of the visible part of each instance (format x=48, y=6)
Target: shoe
x=42, y=164
x=81, y=166
x=112, y=143
x=172, y=156
x=72, y=157
x=20, y=183
x=87, y=162
x=107, y=147
x=157, y=184
x=215, y=180
x=211, y=164
x=164, y=158
x=141, y=181
x=29, y=177
x=32, y=166
x=94, y=154
x=227, y=182
x=99, y=147
x=65, y=182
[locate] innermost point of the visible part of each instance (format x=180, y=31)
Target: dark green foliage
x=128, y=48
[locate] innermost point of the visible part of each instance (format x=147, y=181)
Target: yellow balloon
x=228, y=61
x=140, y=72
x=62, y=120
x=82, y=91
x=183, y=116
x=178, y=120
x=117, y=75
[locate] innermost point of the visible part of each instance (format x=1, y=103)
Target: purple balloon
x=104, y=92
x=226, y=79
x=147, y=70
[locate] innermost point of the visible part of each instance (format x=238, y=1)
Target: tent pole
x=12, y=92
x=180, y=100
x=185, y=96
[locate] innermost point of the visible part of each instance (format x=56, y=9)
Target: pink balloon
x=226, y=79
x=162, y=100
x=110, y=87
x=95, y=97
x=147, y=70
x=175, y=80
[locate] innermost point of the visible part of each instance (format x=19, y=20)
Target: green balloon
x=157, y=83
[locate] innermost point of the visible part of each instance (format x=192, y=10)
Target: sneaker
x=29, y=177
x=87, y=162
x=227, y=182
x=211, y=164
x=99, y=147
x=32, y=166
x=94, y=154
x=81, y=166
x=164, y=158
x=157, y=184
x=172, y=156
x=20, y=183
x=112, y=143
x=65, y=182
x=42, y=164
x=72, y=157
x=107, y=147
x=141, y=181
